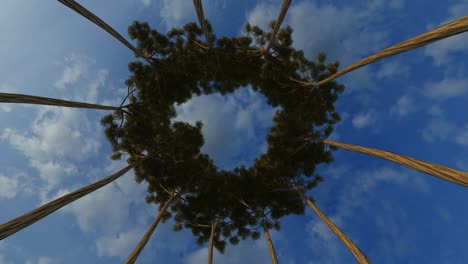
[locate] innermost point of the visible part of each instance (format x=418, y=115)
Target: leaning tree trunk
x=9, y=228
x=450, y=29
x=136, y=252
x=31, y=99
x=360, y=257
x=72, y=4
x=210, y=245
x=201, y=20
x=274, y=260
x=279, y=21
x=442, y=172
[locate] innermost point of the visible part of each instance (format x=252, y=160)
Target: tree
x=218, y=205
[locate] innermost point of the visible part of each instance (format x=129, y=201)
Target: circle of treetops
x=242, y=200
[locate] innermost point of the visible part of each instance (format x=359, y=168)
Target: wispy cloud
x=364, y=119
x=403, y=107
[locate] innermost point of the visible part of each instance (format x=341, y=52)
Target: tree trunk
x=201, y=20
x=100, y=23
x=360, y=257
x=31, y=99
x=442, y=172
x=9, y=228
x=274, y=260
x=450, y=29
x=210, y=245
x=136, y=252
x=279, y=21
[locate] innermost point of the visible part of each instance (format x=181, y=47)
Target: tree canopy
x=212, y=202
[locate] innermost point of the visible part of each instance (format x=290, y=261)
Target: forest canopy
x=224, y=205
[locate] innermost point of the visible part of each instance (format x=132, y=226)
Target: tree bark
x=450, y=29
x=210, y=245
x=360, y=257
x=31, y=99
x=274, y=260
x=442, y=172
x=136, y=252
x=9, y=228
x=279, y=21
x=201, y=20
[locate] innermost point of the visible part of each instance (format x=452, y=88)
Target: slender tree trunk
x=210, y=245
x=31, y=99
x=450, y=29
x=201, y=20
x=279, y=21
x=442, y=172
x=9, y=228
x=136, y=252
x=100, y=23
x=274, y=260
x=360, y=257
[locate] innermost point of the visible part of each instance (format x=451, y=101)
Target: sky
x=410, y=104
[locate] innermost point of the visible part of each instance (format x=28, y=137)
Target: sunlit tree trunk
x=9, y=228
x=210, y=245
x=201, y=20
x=31, y=99
x=450, y=29
x=274, y=260
x=279, y=21
x=442, y=172
x=136, y=252
x=100, y=23
x=360, y=257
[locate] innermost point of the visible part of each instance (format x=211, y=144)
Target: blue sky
x=410, y=104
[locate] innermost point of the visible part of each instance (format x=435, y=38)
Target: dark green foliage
x=240, y=201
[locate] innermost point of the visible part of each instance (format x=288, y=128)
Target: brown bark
x=201, y=19
x=442, y=172
x=274, y=260
x=31, y=99
x=360, y=257
x=136, y=252
x=100, y=23
x=450, y=29
x=210, y=245
x=279, y=21
x=9, y=228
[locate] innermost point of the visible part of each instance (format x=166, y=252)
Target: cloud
x=42, y=260
x=76, y=67
x=403, y=107
x=393, y=69
x=363, y=120
x=175, y=13
x=8, y=187
x=6, y=107
x=119, y=245
x=234, y=126
x=146, y=3
x=446, y=88
x=317, y=29
x=356, y=198
x=440, y=51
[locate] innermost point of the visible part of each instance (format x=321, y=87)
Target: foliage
x=236, y=201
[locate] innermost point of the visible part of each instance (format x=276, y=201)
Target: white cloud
x=9, y=187
x=146, y=3
x=435, y=111
x=393, y=69
x=76, y=67
x=438, y=128
x=176, y=12
x=446, y=88
x=120, y=245
x=363, y=120
x=357, y=197
x=316, y=29
x=403, y=106
x=59, y=137
x=231, y=124
x=440, y=50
